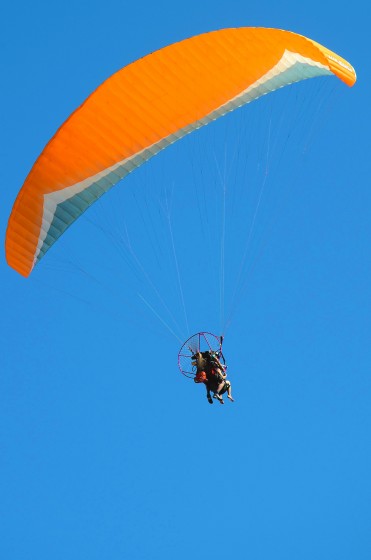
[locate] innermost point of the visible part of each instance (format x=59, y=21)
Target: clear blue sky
x=106, y=451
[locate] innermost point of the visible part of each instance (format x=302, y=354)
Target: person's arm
x=220, y=365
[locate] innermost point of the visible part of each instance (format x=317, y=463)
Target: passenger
x=212, y=373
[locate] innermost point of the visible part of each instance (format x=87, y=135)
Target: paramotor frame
x=199, y=342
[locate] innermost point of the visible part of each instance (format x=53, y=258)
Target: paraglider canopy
x=143, y=108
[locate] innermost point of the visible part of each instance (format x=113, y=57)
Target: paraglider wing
x=143, y=108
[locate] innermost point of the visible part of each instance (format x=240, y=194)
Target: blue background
x=106, y=450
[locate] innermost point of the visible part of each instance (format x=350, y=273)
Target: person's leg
x=222, y=387
x=229, y=391
x=219, y=392
x=208, y=395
